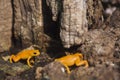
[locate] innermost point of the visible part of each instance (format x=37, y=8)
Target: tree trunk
x=73, y=22
x=64, y=21
x=5, y=25
x=76, y=17
x=28, y=22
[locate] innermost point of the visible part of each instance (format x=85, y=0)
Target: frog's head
x=36, y=53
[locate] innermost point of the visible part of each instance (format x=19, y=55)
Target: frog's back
x=25, y=53
x=68, y=60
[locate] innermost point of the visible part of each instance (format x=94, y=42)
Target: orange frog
x=72, y=59
x=25, y=54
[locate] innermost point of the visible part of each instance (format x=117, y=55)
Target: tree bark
x=64, y=21
x=73, y=22
x=5, y=25
x=28, y=22
x=76, y=18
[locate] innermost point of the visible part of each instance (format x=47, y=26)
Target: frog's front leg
x=28, y=62
x=67, y=68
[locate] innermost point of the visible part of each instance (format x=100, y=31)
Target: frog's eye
x=35, y=53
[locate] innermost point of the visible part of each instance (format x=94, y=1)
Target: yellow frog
x=25, y=54
x=72, y=59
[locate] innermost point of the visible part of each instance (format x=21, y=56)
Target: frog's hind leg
x=13, y=58
x=80, y=55
x=79, y=62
